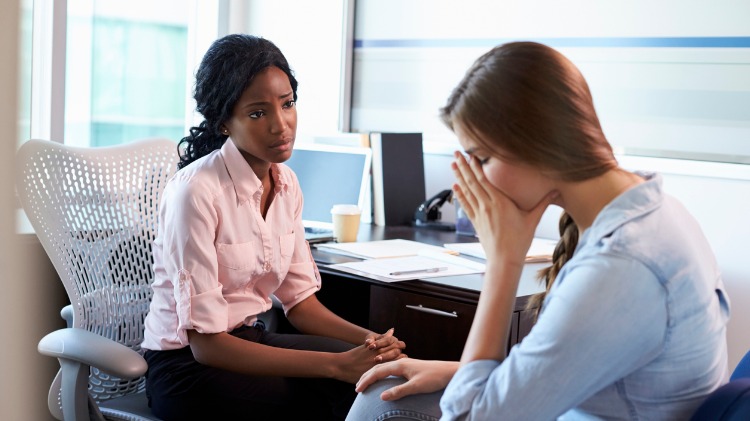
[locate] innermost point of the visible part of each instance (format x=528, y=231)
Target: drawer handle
x=432, y=311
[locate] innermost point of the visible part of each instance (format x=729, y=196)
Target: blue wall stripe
x=671, y=42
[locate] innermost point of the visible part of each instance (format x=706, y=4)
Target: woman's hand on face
x=503, y=229
x=421, y=377
x=387, y=346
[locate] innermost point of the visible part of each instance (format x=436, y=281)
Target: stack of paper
x=382, y=249
x=426, y=264
x=400, y=260
x=540, y=251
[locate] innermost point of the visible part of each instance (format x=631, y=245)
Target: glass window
x=104, y=72
x=126, y=71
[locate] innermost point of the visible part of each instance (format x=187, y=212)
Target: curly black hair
x=227, y=69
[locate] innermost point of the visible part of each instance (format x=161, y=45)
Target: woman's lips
x=282, y=146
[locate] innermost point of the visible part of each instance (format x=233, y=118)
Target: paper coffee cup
x=345, y=222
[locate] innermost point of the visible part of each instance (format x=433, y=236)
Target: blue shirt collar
x=633, y=203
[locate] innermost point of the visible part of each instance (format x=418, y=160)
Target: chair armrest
x=93, y=350
x=67, y=314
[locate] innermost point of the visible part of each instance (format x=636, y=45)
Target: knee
x=368, y=405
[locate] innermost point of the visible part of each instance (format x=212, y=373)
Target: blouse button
x=267, y=266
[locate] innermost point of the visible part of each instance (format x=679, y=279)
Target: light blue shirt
x=634, y=327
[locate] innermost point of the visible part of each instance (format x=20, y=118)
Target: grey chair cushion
x=133, y=407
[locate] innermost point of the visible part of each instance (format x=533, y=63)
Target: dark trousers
x=179, y=388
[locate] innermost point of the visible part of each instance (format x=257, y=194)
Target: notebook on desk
x=330, y=175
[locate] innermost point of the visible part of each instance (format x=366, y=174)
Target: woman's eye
x=289, y=104
x=483, y=161
x=256, y=114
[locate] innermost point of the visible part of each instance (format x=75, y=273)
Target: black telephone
x=428, y=213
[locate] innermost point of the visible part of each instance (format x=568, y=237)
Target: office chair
x=730, y=402
x=95, y=212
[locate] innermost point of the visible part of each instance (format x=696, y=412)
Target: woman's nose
x=279, y=123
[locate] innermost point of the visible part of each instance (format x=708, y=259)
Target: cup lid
x=346, y=209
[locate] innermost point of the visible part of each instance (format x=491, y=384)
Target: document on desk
x=426, y=264
x=540, y=251
x=382, y=249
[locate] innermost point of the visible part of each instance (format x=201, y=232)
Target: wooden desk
x=432, y=316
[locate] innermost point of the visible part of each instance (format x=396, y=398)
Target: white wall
x=19, y=373
x=718, y=195
x=310, y=34
x=669, y=76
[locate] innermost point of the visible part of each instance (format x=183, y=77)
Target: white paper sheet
x=381, y=249
x=540, y=251
x=426, y=265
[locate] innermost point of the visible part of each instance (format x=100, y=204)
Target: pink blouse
x=216, y=260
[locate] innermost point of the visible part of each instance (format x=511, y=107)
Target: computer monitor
x=330, y=175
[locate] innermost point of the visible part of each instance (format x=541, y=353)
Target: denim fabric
x=369, y=407
x=633, y=329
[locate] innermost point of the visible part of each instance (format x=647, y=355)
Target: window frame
x=208, y=19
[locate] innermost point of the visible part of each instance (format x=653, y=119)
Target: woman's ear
x=224, y=130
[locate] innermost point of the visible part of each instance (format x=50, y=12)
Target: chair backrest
x=95, y=211
x=730, y=402
x=743, y=368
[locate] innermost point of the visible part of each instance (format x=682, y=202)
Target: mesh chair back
x=95, y=211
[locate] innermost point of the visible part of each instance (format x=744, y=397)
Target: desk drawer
x=432, y=328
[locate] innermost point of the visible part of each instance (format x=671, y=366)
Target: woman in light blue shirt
x=633, y=321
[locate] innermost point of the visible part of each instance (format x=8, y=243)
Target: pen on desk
x=412, y=272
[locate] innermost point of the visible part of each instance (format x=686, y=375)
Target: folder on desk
x=398, y=182
x=382, y=249
x=427, y=264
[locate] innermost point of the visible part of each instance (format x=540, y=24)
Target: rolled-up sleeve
x=190, y=222
x=470, y=380
x=298, y=285
x=573, y=351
